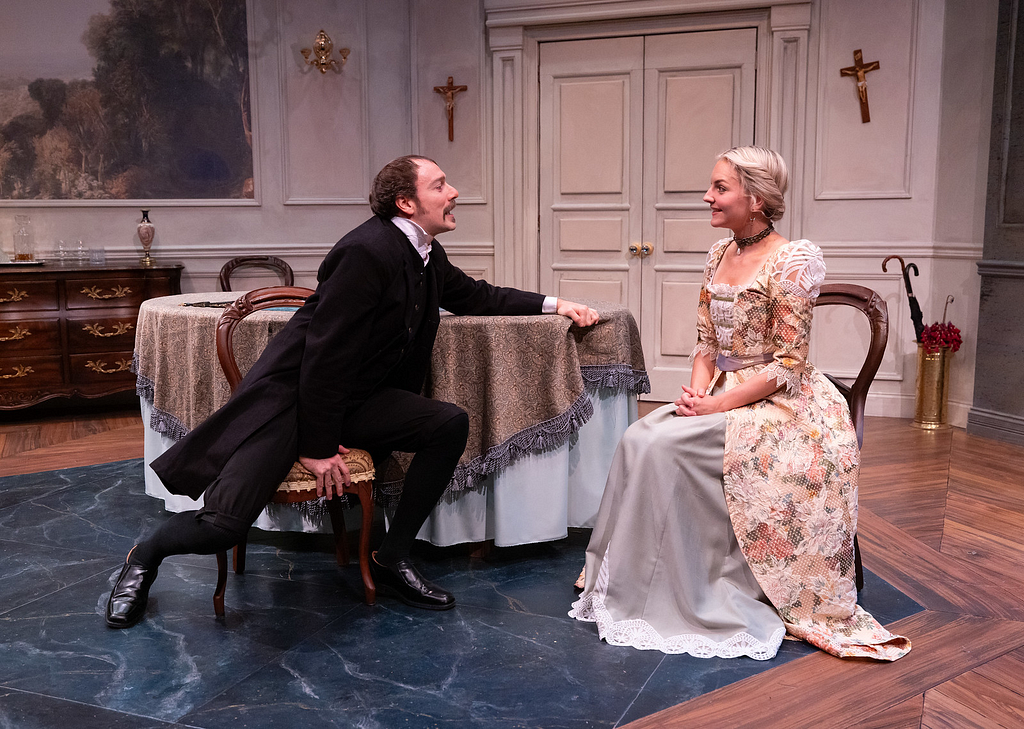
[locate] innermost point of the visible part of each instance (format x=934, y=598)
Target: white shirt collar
x=420, y=239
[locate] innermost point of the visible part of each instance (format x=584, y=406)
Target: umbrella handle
x=903, y=266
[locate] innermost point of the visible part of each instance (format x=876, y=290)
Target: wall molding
x=139, y=203
x=505, y=13
x=999, y=426
x=282, y=250
x=916, y=249
x=787, y=99
x=1001, y=269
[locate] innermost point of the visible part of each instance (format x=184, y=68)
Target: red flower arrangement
x=935, y=336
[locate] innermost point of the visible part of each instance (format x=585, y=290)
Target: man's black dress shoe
x=402, y=580
x=127, y=602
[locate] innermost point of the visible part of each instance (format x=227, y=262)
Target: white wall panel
x=448, y=40
x=866, y=160
x=324, y=115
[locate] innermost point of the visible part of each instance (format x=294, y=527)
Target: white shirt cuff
x=550, y=305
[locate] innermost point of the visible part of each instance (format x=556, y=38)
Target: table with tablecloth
x=547, y=401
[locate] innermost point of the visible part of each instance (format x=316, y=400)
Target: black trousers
x=390, y=420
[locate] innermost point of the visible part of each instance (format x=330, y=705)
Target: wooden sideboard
x=69, y=329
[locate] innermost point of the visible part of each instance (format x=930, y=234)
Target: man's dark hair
x=397, y=179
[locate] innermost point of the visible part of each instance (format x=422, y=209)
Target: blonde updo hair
x=763, y=175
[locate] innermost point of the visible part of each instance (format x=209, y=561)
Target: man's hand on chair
x=328, y=472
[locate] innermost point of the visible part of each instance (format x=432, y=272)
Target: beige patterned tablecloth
x=522, y=379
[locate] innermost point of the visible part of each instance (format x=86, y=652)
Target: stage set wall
x=911, y=182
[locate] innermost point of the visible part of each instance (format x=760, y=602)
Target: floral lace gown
x=718, y=534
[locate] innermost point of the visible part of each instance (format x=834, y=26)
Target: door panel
x=696, y=111
x=591, y=233
x=698, y=102
x=591, y=149
x=680, y=235
x=577, y=287
x=678, y=302
x=630, y=128
x=591, y=154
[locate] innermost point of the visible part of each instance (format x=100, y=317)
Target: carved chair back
x=273, y=262
x=874, y=308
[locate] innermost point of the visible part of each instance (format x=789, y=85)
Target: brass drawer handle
x=118, y=292
x=96, y=329
x=16, y=334
x=19, y=371
x=15, y=295
x=123, y=365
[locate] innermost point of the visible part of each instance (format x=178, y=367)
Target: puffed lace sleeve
x=707, y=342
x=793, y=287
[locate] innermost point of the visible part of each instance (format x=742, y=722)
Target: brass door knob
x=646, y=249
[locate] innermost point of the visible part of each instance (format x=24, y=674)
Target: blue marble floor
x=297, y=646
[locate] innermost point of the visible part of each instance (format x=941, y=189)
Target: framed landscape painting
x=109, y=100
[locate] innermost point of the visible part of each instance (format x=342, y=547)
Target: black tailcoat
x=356, y=333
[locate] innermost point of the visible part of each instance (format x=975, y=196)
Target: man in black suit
x=347, y=370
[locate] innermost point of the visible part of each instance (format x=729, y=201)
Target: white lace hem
x=636, y=633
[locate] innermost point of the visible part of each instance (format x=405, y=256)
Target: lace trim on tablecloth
x=159, y=421
x=620, y=377
x=535, y=439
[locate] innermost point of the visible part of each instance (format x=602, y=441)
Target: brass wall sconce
x=321, y=51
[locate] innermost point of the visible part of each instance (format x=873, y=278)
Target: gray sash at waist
x=726, y=363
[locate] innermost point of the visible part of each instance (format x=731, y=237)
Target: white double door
x=630, y=128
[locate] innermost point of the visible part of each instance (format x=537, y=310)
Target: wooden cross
x=860, y=70
x=449, y=92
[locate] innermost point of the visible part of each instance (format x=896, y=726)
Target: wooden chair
x=300, y=484
x=873, y=306
x=278, y=264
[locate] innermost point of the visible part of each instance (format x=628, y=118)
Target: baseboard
x=998, y=426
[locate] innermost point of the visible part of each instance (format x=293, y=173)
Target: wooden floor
x=941, y=518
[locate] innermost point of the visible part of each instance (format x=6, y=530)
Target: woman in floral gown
x=729, y=516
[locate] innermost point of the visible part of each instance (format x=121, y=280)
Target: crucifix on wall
x=449, y=92
x=860, y=70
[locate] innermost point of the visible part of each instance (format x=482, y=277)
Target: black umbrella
x=915, y=308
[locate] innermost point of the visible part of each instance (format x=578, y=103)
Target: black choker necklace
x=742, y=243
